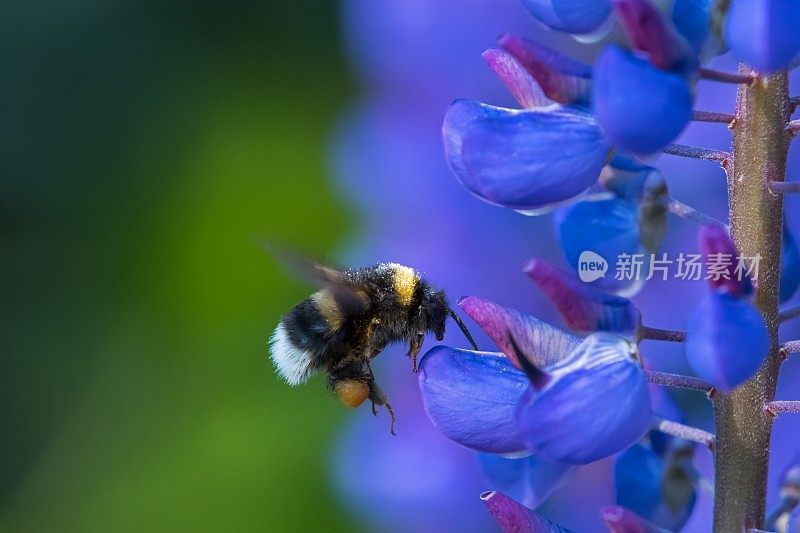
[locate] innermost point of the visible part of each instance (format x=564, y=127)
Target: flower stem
x=712, y=116
x=698, y=153
x=791, y=347
x=726, y=77
x=679, y=381
x=743, y=425
x=683, y=431
x=690, y=213
x=783, y=407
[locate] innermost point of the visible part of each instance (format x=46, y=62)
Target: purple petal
x=571, y=16
x=529, y=480
x=514, y=517
x=596, y=404
x=650, y=32
x=527, y=160
x=763, y=33
x=585, y=308
x=726, y=341
x=629, y=92
x=562, y=79
x=620, y=520
x=471, y=397
x=519, y=82
x=542, y=344
x=721, y=254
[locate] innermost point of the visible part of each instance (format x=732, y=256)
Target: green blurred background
x=145, y=148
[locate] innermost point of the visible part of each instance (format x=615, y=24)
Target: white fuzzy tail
x=292, y=363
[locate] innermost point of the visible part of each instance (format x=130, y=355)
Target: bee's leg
x=417, y=340
x=378, y=397
x=414, y=349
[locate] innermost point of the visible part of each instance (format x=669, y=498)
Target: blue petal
x=596, y=404
x=513, y=517
x=726, y=341
x=790, y=265
x=542, y=344
x=585, y=309
x=763, y=33
x=528, y=480
x=571, y=16
x=629, y=93
x=693, y=19
x=608, y=227
x=526, y=160
x=637, y=474
x=471, y=397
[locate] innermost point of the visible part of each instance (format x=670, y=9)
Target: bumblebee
x=350, y=320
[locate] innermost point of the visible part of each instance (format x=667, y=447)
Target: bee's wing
x=351, y=299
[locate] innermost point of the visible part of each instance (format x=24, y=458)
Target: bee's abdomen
x=297, y=345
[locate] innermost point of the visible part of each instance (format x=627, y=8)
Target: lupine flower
x=630, y=219
x=585, y=309
x=699, y=25
x=594, y=404
x=505, y=156
x=561, y=412
x=658, y=486
x=514, y=517
x=763, y=33
x=727, y=340
x=527, y=160
x=629, y=91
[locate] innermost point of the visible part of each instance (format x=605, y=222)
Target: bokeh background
x=147, y=148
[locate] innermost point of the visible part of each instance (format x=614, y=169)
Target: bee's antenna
x=464, y=329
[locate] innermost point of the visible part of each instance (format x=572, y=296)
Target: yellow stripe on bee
x=405, y=283
x=327, y=307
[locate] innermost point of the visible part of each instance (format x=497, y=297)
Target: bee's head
x=436, y=308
